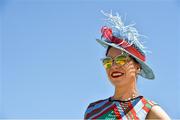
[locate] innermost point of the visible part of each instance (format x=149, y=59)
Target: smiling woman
x=124, y=62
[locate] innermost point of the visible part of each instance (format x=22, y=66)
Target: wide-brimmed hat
x=125, y=38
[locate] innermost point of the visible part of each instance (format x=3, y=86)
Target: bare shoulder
x=157, y=112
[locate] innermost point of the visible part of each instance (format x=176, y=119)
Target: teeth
x=116, y=74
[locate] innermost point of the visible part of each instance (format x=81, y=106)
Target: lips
x=116, y=74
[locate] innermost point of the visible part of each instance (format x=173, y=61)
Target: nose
x=114, y=66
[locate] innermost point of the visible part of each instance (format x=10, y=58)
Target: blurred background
x=50, y=62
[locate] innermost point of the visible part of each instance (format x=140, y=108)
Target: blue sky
x=50, y=62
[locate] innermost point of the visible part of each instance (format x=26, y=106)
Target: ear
x=138, y=67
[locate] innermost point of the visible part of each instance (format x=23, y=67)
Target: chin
x=118, y=81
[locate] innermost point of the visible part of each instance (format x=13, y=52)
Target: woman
x=124, y=61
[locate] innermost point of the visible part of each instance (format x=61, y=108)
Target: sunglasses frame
x=114, y=59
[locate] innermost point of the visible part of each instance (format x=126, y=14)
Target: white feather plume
x=128, y=32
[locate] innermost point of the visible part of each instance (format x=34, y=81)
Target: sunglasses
x=120, y=60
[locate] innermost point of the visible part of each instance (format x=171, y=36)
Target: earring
x=138, y=70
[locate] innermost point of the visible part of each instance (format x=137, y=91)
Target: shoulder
x=97, y=102
x=155, y=111
x=93, y=105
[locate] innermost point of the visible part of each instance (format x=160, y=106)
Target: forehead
x=112, y=52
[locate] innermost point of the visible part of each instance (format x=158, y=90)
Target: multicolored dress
x=108, y=108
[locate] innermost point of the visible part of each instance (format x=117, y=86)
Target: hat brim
x=145, y=72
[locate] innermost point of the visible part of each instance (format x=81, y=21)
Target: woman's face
x=121, y=75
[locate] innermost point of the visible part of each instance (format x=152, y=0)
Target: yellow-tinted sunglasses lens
x=121, y=60
x=107, y=62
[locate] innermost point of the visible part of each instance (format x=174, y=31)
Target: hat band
x=128, y=47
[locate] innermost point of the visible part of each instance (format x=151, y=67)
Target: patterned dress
x=136, y=108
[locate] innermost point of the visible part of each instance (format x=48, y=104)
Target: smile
x=116, y=74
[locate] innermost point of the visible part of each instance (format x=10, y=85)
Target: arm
x=157, y=112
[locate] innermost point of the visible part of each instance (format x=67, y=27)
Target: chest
x=124, y=111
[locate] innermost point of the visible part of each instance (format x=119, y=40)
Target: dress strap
x=148, y=104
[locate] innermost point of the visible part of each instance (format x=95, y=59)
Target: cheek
x=108, y=72
x=130, y=70
x=131, y=73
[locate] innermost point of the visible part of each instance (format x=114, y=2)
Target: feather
x=126, y=32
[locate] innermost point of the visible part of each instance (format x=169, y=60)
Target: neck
x=125, y=92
